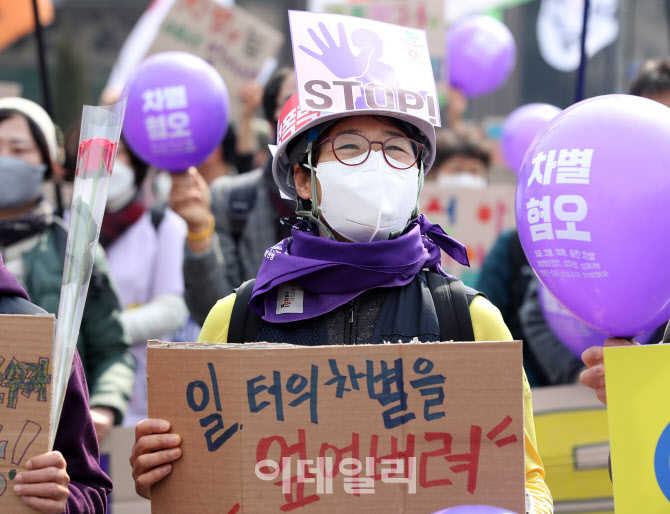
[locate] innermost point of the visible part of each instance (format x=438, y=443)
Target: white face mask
x=121, y=187
x=462, y=179
x=367, y=202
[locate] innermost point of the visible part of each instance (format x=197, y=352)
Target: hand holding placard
x=152, y=454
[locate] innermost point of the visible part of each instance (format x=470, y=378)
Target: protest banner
x=475, y=217
x=426, y=15
x=408, y=428
x=355, y=64
x=26, y=349
x=572, y=439
x=639, y=425
x=237, y=43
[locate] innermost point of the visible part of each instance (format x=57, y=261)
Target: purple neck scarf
x=330, y=273
x=8, y=284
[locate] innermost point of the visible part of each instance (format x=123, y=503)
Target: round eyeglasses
x=399, y=152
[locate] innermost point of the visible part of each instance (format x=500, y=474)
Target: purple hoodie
x=75, y=437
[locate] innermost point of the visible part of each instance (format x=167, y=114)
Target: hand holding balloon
x=594, y=376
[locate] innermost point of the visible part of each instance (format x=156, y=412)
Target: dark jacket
x=103, y=345
x=75, y=437
x=558, y=363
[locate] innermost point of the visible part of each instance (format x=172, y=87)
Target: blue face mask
x=20, y=181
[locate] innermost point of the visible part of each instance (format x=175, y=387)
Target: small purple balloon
x=592, y=214
x=520, y=129
x=177, y=111
x=574, y=335
x=475, y=509
x=481, y=55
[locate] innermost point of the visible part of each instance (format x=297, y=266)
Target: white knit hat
x=39, y=116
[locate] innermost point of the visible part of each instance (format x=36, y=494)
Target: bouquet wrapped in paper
x=100, y=133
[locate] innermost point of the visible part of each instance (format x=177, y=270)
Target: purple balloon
x=592, y=216
x=177, y=111
x=481, y=54
x=520, y=128
x=475, y=509
x=574, y=335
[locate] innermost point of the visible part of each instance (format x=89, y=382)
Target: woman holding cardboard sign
x=48, y=484
x=355, y=269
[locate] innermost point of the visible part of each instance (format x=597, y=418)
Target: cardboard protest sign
x=475, y=217
x=407, y=428
x=637, y=379
x=345, y=63
x=26, y=350
x=235, y=42
x=573, y=441
x=426, y=15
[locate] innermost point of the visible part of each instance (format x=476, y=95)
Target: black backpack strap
x=452, y=308
x=244, y=322
x=241, y=201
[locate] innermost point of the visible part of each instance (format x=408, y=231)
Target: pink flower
x=95, y=153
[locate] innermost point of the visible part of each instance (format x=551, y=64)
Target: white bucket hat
x=37, y=115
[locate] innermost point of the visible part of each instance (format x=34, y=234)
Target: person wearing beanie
x=77, y=483
x=32, y=243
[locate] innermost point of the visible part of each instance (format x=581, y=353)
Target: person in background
x=653, y=81
x=145, y=250
x=553, y=362
x=457, y=106
x=69, y=478
x=462, y=159
x=232, y=222
x=504, y=279
x=33, y=241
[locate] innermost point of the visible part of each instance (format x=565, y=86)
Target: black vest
x=383, y=315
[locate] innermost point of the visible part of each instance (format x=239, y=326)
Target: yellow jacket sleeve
x=488, y=325
x=215, y=329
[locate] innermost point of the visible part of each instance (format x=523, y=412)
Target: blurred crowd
x=172, y=245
